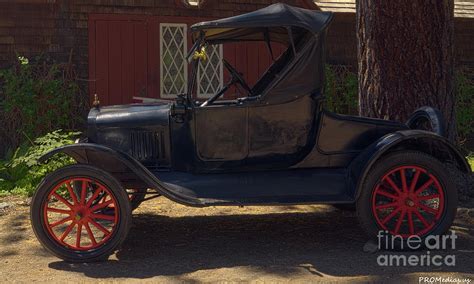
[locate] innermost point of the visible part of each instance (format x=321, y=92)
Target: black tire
x=109, y=188
x=429, y=119
x=409, y=162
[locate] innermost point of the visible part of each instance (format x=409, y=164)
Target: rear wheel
x=429, y=119
x=80, y=213
x=407, y=194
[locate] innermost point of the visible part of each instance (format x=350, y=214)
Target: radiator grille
x=148, y=145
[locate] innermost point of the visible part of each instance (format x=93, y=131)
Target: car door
x=221, y=132
x=280, y=131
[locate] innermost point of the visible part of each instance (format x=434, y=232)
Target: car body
x=276, y=146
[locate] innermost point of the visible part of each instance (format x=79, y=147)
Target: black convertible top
x=297, y=72
x=273, y=20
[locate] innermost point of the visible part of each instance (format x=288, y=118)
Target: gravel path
x=173, y=243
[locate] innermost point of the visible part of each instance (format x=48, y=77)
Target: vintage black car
x=275, y=146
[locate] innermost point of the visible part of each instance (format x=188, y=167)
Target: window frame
x=220, y=76
x=185, y=47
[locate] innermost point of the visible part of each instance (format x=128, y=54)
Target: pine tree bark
x=405, y=52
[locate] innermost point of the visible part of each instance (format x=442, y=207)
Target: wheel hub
x=89, y=215
x=81, y=214
x=409, y=202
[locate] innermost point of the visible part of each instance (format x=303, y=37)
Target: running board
x=296, y=186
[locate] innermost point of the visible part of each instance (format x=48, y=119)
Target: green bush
x=464, y=90
x=341, y=90
x=470, y=159
x=37, y=97
x=21, y=173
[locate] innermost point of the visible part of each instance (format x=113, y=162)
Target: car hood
x=129, y=116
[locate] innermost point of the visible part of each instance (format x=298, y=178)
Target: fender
x=419, y=140
x=112, y=160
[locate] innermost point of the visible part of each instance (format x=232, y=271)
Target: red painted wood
x=115, y=63
x=252, y=63
x=102, y=61
x=153, y=53
x=140, y=42
x=124, y=57
x=92, y=58
x=128, y=62
x=241, y=63
x=230, y=56
x=263, y=57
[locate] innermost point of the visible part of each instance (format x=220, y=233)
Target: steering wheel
x=235, y=78
x=235, y=74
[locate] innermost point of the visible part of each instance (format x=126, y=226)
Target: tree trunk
x=405, y=52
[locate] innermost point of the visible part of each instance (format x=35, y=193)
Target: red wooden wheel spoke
x=404, y=180
x=408, y=204
x=71, y=193
x=427, y=209
x=101, y=205
x=399, y=221
x=57, y=223
x=81, y=214
x=388, y=205
x=386, y=194
x=90, y=233
x=58, y=197
x=424, y=186
x=78, y=235
x=390, y=216
x=68, y=230
x=83, y=192
x=421, y=218
x=60, y=211
x=410, y=223
x=428, y=197
x=94, y=196
x=393, y=185
x=415, y=180
x=103, y=216
x=100, y=227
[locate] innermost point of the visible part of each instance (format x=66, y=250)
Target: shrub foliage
x=21, y=172
x=37, y=97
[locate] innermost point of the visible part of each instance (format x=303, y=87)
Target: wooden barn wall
x=31, y=27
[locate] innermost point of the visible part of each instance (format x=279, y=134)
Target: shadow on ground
x=278, y=244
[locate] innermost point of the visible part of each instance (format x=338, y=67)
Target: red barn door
x=118, y=59
x=140, y=58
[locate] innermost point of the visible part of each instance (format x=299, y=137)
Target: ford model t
x=275, y=146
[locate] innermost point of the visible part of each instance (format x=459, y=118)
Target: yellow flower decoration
x=202, y=55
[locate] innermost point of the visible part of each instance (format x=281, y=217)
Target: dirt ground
x=173, y=243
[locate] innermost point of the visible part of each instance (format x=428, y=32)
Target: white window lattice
x=173, y=66
x=210, y=73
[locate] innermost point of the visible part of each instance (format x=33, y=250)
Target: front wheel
x=80, y=213
x=407, y=194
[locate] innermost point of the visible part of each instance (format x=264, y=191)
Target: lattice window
x=173, y=66
x=210, y=73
